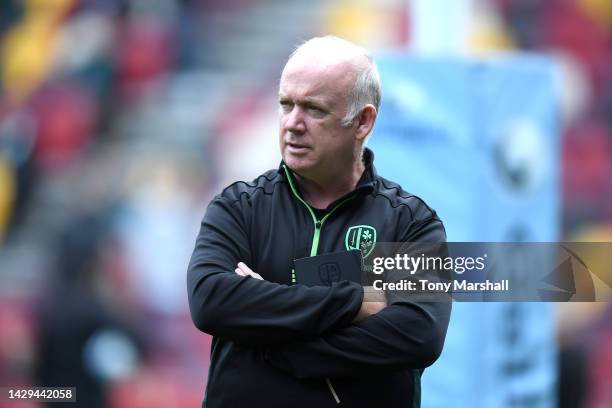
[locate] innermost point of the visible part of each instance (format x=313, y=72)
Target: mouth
x=297, y=147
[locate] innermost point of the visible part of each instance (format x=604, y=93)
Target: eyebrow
x=305, y=101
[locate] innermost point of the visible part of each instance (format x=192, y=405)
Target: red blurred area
x=66, y=117
x=587, y=168
x=144, y=53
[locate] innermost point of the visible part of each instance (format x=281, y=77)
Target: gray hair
x=365, y=91
x=367, y=87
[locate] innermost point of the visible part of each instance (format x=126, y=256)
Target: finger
x=253, y=275
x=246, y=271
x=244, y=267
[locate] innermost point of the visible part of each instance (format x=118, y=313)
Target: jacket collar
x=368, y=178
x=366, y=183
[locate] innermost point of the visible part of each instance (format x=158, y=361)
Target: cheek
x=339, y=143
x=281, y=128
x=282, y=123
x=281, y=143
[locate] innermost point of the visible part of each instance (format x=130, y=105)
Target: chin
x=297, y=164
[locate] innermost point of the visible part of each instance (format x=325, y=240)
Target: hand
x=244, y=270
x=368, y=309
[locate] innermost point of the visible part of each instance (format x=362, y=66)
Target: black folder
x=326, y=269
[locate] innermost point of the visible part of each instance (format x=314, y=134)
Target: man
x=278, y=343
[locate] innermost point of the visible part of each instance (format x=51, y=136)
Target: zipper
x=333, y=391
x=318, y=225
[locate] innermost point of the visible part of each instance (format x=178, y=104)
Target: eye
x=285, y=105
x=315, y=110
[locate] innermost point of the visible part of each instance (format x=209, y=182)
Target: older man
x=279, y=343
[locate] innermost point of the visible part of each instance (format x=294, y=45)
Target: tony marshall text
x=423, y=285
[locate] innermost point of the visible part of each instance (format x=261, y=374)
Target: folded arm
x=251, y=311
x=400, y=336
x=405, y=334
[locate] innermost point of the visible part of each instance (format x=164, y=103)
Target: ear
x=365, y=122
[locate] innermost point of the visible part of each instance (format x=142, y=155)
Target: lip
x=297, y=148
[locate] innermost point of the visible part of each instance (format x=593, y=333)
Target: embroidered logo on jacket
x=362, y=237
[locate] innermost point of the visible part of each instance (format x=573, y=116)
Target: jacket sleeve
x=251, y=311
x=405, y=334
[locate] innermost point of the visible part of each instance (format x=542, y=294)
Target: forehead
x=312, y=79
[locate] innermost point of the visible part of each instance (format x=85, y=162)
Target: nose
x=294, y=120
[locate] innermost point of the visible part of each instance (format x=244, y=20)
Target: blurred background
x=121, y=119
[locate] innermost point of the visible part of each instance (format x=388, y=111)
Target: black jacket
x=280, y=344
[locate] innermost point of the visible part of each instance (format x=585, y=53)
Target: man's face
x=313, y=102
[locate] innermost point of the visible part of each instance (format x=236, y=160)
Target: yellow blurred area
x=490, y=37
x=487, y=30
x=573, y=317
x=597, y=262
x=368, y=24
x=27, y=50
x=597, y=233
x=48, y=8
x=600, y=11
x=7, y=193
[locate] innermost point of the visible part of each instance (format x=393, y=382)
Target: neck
x=321, y=192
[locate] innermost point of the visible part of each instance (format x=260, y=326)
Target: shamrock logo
x=362, y=237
